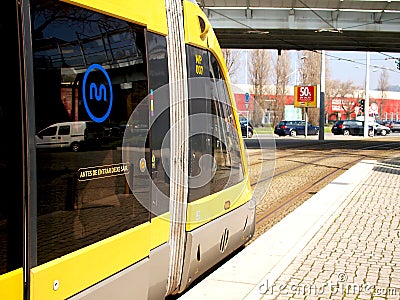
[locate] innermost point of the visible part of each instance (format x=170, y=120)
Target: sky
x=346, y=66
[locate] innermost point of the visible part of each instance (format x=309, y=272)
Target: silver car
x=380, y=129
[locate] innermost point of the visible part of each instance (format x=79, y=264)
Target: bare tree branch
x=260, y=68
x=383, y=86
x=310, y=74
x=232, y=58
x=281, y=75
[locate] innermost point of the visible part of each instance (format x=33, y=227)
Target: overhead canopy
x=346, y=25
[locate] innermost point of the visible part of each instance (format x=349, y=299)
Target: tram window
x=160, y=121
x=214, y=150
x=84, y=196
x=200, y=124
x=226, y=146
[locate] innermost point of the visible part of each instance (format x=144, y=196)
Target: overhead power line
x=299, y=46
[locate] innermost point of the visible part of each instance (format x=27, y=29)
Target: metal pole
x=322, y=99
x=306, y=123
x=366, y=102
x=245, y=72
x=247, y=124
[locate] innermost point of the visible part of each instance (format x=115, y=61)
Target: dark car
x=350, y=127
x=294, y=128
x=246, y=127
x=393, y=125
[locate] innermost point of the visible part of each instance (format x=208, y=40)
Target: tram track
x=303, y=190
x=315, y=153
x=324, y=146
x=280, y=201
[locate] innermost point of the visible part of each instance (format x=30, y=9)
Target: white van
x=73, y=135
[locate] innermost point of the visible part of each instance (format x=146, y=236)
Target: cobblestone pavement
x=357, y=256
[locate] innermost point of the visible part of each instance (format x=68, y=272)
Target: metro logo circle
x=305, y=96
x=97, y=93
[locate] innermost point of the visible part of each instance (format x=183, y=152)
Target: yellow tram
x=122, y=168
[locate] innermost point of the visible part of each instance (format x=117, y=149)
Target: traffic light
x=362, y=102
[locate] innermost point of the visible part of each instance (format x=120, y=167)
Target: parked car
x=73, y=135
x=246, y=127
x=388, y=123
x=380, y=129
x=350, y=127
x=393, y=125
x=294, y=128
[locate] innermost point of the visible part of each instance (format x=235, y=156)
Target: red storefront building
x=340, y=108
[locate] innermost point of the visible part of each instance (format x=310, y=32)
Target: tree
x=331, y=92
x=310, y=74
x=260, y=68
x=280, y=77
x=345, y=91
x=383, y=86
x=310, y=67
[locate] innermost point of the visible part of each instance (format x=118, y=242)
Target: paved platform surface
x=343, y=243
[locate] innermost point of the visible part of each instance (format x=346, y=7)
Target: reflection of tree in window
x=226, y=149
x=91, y=38
x=73, y=213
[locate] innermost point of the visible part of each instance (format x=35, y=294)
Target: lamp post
x=297, y=70
x=321, y=133
x=366, y=102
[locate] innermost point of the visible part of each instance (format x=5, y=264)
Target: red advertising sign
x=305, y=96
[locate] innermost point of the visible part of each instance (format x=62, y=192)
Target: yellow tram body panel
x=206, y=39
x=159, y=230
x=150, y=13
x=11, y=285
x=211, y=207
x=76, y=271
x=73, y=268
x=193, y=34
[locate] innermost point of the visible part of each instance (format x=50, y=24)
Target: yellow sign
x=199, y=66
x=305, y=96
x=102, y=171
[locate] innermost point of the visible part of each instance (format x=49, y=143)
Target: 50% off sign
x=305, y=96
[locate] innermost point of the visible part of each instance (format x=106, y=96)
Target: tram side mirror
x=204, y=28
